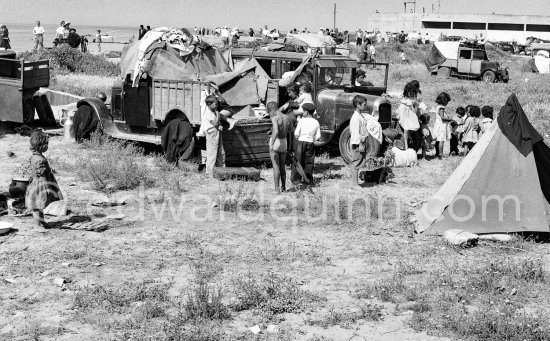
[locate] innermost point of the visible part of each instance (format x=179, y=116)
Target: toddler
x=43, y=188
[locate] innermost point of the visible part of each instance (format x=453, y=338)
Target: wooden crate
x=247, y=143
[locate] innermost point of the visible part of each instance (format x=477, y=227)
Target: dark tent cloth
x=85, y=122
x=542, y=160
x=177, y=140
x=516, y=126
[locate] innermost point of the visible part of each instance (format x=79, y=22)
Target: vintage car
x=466, y=60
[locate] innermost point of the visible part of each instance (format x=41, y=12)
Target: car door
x=464, y=61
x=478, y=56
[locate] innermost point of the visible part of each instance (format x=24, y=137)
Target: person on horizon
x=4, y=37
x=59, y=33
x=38, y=32
x=278, y=144
x=148, y=28
x=98, y=37
x=141, y=32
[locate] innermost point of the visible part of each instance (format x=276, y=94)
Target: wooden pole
x=334, y=18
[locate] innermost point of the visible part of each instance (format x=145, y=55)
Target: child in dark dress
x=43, y=188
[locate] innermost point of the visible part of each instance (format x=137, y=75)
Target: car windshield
x=334, y=76
x=365, y=75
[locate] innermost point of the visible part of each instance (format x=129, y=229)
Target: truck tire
x=444, y=72
x=344, y=145
x=489, y=76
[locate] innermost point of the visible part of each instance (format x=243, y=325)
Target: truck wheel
x=344, y=145
x=489, y=76
x=444, y=72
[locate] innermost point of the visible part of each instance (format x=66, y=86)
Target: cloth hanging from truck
x=177, y=140
x=85, y=122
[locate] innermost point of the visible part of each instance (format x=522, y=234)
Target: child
x=456, y=135
x=471, y=128
x=454, y=139
x=426, y=135
x=303, y=98
x=440, y=128
x=43, y=188
x=407, y=112
x=487, y=121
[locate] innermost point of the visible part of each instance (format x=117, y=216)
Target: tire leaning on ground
x=444, y=72
x=489, y=76
x=344, y=145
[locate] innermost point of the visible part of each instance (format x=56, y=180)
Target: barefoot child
x=440, y=128
x=471, y=128
x=43, y=188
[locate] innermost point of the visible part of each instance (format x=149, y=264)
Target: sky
x=282, y=14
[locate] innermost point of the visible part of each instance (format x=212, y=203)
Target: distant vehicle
x=505, y=46
x=454, y=59
x=452, y=38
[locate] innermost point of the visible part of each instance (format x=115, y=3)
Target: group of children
x=465, y=128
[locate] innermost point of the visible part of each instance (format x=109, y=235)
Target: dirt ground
x=332, y=262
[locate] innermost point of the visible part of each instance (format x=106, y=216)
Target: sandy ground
x=330, y=261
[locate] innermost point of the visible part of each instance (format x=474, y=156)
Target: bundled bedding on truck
x=167, y=55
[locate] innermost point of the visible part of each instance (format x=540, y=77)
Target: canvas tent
x=501, y=186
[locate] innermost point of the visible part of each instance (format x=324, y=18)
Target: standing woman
x=407, y=112
x=4, y=36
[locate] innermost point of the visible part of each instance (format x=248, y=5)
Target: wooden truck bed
x=19, y=80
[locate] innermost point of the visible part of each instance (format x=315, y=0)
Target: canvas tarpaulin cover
x=498, y=187
x=162, y=61
x=440, y=52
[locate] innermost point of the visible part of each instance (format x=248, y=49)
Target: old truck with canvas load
x=456, y=59
x=161, y=82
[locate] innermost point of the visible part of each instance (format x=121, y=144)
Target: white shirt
x=308, y=130
x=206, y=122
x=361, y=125
x=38, y=30
x=59, y=32
x=225, y=33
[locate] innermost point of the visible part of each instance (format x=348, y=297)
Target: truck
x=466, y=60
x=19, y=82
x=139, y=112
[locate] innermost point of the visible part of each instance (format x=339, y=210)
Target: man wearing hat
x=307, y=132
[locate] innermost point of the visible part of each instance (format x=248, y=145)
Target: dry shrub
x=112, y=165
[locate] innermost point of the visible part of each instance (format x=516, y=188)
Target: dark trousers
x=305, y=154
x=454, y=144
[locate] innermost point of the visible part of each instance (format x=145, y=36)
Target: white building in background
x=492, y=27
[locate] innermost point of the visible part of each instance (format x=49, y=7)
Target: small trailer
x=19, y=82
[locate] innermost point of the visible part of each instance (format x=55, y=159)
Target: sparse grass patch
x=271, y=293
x=112, y=165
x=347, y=318
x=83, y=84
